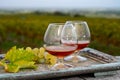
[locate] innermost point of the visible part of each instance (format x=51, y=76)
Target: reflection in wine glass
x=83, y=39
x=54, y=45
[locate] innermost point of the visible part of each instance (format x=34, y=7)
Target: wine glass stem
x=62, y=64
x=76, y=52
x=60, y=60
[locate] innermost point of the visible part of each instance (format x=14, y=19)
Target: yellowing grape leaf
x=12, y=68
x=19, y=54
x=25, y=64
x=18, y=58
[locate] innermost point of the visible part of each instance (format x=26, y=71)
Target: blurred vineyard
x=25, y=30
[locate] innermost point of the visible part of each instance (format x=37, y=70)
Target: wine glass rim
x=76, y=21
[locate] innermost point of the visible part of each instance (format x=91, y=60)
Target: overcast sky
x=59, y=4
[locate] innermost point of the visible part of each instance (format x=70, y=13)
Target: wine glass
x=54, y=45
x=83, y=39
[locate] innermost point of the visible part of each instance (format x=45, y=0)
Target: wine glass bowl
x=83, y=34
x=53, y=44
x=83, y=39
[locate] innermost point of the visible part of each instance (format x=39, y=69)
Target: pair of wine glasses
x=64, y=39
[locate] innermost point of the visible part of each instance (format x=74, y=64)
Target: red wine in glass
x=61, y=51
x=82, y=44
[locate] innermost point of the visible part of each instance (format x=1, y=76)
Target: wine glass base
x=75, y=58
x=59, y=66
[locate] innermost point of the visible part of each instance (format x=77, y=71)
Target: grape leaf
x=25, y=64
x=19, y=54
x=11, y=68
x=18, y=58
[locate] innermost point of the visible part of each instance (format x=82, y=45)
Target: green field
x=25, y=30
